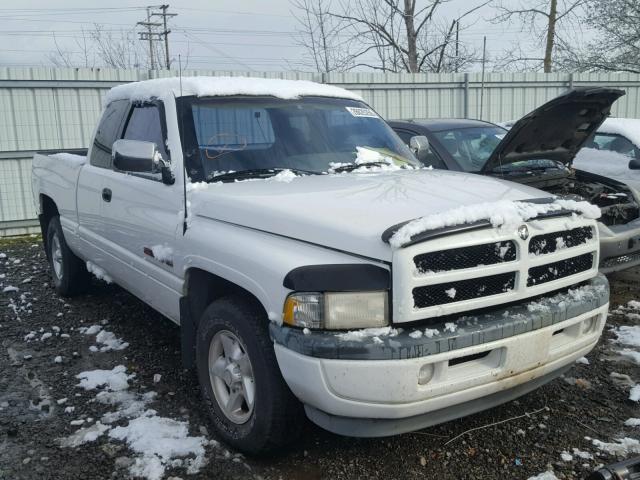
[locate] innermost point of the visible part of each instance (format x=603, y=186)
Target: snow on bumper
x=404, y=377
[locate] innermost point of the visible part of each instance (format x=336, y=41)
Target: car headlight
x=337, y=310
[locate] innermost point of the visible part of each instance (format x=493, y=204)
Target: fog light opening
x=425, y=374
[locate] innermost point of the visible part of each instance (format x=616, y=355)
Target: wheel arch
x=201, y=288
x=48, y=210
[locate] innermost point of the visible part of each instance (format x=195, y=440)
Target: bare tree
x=616, y=47
x=387, y=35
x=542, y=18
x=320, y=35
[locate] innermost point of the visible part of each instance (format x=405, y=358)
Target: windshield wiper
x=257, y=173
x=354, y=166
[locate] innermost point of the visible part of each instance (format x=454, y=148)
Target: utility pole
x=165, y=33
x=484, y=60
x=149, y=35
x=457, y=43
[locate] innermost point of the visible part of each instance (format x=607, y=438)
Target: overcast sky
x=246, y=35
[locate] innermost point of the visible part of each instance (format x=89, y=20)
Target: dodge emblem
x=523, y=232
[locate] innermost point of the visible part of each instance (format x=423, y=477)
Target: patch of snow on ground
x=634, y=393
x=583, y=360
x=84, y=435
x=628, y=335
x=9, y=289
x=622, y=447
x=582, y=454
x=632, y=422
x=115, y=379
x=92, y=330
x=566, y=456
x=160, y=441
x=548, y=475
x=503, y=213
x=365, y=333
x=110, y=341
x=99, y=273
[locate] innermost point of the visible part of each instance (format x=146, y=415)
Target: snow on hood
x=608, y=164
x=503, y=213
x=224, y=86
x=348, y=211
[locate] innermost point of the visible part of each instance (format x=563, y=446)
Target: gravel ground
x=555, y=418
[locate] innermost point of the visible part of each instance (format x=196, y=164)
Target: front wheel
x=69, y=273
x=249, y=402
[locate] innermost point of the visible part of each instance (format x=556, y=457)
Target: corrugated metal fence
x=54, y=108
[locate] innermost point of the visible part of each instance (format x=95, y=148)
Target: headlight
x=337, y=310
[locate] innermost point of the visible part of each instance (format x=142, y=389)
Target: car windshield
x=253, y=136
x=471, y=147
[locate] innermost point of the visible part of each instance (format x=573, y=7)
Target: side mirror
x=419, y=145
x=134, y=156
x=140, y=157
x=634, y=164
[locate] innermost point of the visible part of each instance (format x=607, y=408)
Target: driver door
x=141, y=218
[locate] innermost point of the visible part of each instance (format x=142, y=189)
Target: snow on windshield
x=503, y=213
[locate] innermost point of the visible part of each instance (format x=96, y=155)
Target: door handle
x=106, y=194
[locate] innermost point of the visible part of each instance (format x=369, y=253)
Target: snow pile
x=159, y=441
x=628, y=335
x=632, y=422
x=622, y=447
x=224, y=86
x=70, y=158
x=366, y=333
x=115, y=379
x=9, y=289
x=583, y=360
x=503, y=213
x=162, y=253
x=634, y=393
x=108, y=339
x=99, y=272
x=84, y=435
x=285, y=176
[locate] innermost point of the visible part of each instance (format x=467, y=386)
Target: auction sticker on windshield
x=361, y=112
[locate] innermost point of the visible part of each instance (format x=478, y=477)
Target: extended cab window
x=145, y=124
x=107, y=132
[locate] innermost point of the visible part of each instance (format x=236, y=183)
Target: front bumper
x=619, y=247
x=376, y=388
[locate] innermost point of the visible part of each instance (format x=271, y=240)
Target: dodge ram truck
x=312, y=265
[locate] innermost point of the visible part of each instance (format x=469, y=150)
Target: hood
x=349, y=211
x=557, y=129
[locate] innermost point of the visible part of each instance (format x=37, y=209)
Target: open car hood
x=557, y=129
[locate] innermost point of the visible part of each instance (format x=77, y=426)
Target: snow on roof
x=503, y=213
x=627, y=127
x=225, y=86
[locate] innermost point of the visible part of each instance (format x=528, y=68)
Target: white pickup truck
x=311, y=266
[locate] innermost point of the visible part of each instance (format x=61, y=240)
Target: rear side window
x=108, y=131
x=145, y=124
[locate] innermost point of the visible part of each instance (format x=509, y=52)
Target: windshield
x=308, y=135
x=471, y=147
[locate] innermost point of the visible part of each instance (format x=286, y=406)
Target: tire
x=275, y=416
x=69, y=273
